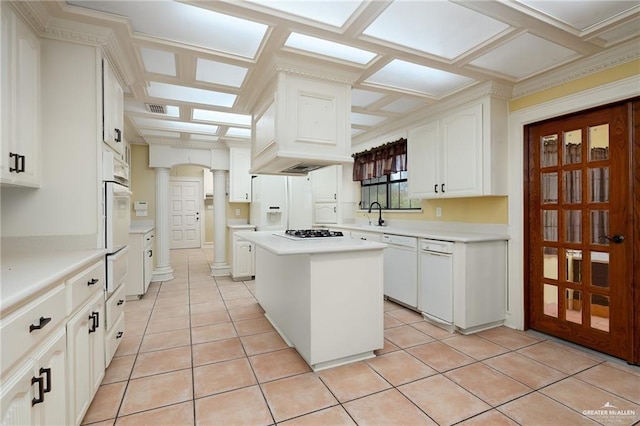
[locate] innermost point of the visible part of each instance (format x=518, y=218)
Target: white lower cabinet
x=114, y=322
x=86, y=356
x=140, y=263
x=242, y=253
x=36, y=393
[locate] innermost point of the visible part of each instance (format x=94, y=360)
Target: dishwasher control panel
x=437, y=246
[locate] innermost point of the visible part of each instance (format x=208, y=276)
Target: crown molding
x=613, y=57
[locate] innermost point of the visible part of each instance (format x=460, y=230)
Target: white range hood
x=300, y=125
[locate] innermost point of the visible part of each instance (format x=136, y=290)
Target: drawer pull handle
x=47, y=372
x=42, y=322
x=95, y=324
x=119, y=335
x=120, y=302
x=92, y=281
x=40, y=398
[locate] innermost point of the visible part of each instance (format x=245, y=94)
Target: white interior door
x=185, y=213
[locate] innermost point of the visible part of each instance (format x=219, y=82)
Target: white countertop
x=274, y=242
x=442, y=235
x=26, y=274
x=141, y=226
x=240, y=226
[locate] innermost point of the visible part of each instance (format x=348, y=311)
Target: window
x=389, y=190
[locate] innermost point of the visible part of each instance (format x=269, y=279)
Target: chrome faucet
x=380, y=221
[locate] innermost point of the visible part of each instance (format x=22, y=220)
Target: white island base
x=327, y=305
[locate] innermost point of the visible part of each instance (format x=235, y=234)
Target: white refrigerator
x=281, y=202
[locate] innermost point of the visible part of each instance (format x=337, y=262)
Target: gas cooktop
x=312, y=233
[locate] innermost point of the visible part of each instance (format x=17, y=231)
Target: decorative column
x=220, y=267
x=163, y=270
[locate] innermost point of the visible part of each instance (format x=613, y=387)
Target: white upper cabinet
x=301, y=124
x=461, y=154
x=324, y=182
x=20, y=108
x=113, y=110
x=239, y=177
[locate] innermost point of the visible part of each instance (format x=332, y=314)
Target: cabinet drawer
x=113, y=339
x=115, y=306
x=84, y=285
x=29, y=325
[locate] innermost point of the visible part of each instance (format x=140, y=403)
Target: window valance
x=380, y=161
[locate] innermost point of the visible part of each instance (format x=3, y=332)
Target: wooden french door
x=580, y=241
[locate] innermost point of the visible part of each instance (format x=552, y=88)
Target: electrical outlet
x=237, y=212
x=438, y=211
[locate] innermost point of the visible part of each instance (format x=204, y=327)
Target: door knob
x=618, y=239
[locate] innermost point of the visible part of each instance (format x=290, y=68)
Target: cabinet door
x=86, y=357
x=112, y=105
x=462, y=153
x=148, y=268
x=423, y=161
x=96, y=344
x=79, y=367
x=243, y=259
x=239, y=177
x=16, y=394
x=20, y=101
x=325, y=213
x=324, y=184
x=50, y=365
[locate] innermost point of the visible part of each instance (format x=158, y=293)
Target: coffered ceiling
x=207, y=61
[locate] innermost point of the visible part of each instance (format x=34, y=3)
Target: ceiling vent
x=156, y=109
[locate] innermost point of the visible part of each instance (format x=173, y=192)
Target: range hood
x=301, y=124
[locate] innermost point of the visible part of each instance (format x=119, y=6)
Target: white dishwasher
x=436, y=281
x=401, y=269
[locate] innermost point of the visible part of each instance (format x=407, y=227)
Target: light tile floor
x=198, y=351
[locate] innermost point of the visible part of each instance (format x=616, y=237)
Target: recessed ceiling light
x=220, y=73
x=190, y=94
x=177, y=126
x=329, y=48
x=221, y=117
x=417, y=78
x=158, y=61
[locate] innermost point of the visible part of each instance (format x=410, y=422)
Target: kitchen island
x=324, y=295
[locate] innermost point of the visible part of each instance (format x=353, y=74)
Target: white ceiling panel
x=206, y=138
x=417, y=78
x=524, y=55
x=158, y=61
x=334, y=13
x=622, y=32
x=159, y=133
x=188, y=24
x=238, y=132
x=329, y=48
x=364, y=98
x=189, y=94
x=221, y=117
x=402, y=105
x=220, y=73
x=437, y=27
x=176, y=126
x=366, y=119
x=588, y=14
